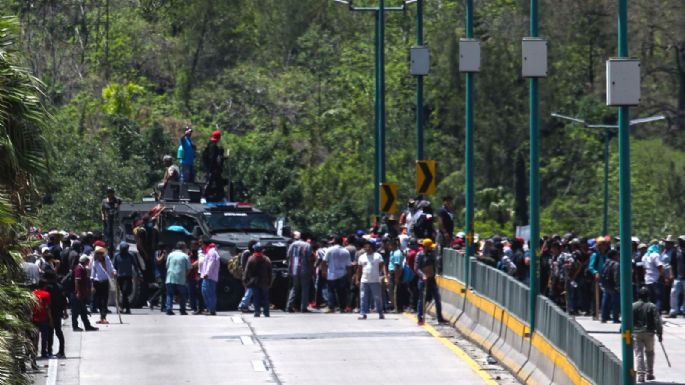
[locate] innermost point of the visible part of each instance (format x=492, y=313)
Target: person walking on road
x=209, y=272
x=425, y=266
x=244, y=305
x=177, y=267
x=257, y=275
x=370, y=265
x=102, y=271
x=300, y=267
x=646, y=323
x=335, y=262
x=82, y=293
x=126, y=265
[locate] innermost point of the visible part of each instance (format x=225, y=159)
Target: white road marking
x=247, y=340
x=237, y=320
x=52, y=371
x=258, y=366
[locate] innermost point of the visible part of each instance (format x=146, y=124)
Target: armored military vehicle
x=230, y=225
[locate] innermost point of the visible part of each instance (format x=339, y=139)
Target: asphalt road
x=232, y=348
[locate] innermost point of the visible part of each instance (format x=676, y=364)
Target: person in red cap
x=213, y=165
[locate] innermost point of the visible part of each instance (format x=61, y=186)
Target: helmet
x=258, y=247
x=427, y=243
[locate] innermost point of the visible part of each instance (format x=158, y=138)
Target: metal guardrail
x=590, y=356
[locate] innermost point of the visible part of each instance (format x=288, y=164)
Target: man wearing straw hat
x=102, y=271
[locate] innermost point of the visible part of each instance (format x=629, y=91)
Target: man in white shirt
x=654, y=270
x=370, y=265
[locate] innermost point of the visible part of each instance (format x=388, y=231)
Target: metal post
x=381, y=81
x=376, y=128
x=419, y=84
x=627, y=371
x=534, y=182
x=605, y=212
x=468, y=220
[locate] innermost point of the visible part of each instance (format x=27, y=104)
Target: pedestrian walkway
x=233, y=348
x=674, y=342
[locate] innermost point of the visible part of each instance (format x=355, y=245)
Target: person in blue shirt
x=186, y=157
x=595, y=266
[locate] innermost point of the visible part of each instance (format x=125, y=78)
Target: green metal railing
x=597, y=363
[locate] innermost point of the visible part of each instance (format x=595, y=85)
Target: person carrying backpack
x=609, y=279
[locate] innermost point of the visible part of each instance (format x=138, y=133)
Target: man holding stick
x=647, y=322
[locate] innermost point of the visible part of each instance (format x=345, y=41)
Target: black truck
x=230, y=225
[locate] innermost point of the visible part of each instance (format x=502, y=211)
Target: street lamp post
x=534, y=181
x=609, y=129
x=379, y=115
x=468, y=154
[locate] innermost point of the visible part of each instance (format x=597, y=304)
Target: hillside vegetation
x=290, y=84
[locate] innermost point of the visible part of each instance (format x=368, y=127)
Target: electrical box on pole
x=623, y=82
x=534, y=57
x=469, y=55
x=420, y=61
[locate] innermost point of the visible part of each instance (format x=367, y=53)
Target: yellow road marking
x=458, y=352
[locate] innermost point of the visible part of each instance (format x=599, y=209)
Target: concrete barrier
x=533, y=360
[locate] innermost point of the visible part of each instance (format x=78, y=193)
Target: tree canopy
x=290, y=83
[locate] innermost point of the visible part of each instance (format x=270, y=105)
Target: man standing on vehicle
x=647, y=322
x=186, y=157
x=126, y=265
x=109, y=212
x=213, y=164
x=209, y=272
x=300, y=261
x=336, y=261
x=177, y=266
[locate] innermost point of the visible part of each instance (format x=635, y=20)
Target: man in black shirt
x=445, y=222
x=213, y=164
x=109, y=211
x=677, y=278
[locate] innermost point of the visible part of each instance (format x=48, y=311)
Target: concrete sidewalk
x=674, y=342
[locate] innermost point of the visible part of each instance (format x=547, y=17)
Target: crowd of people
x=390, y=267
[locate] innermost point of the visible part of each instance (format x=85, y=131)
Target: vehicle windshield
x=239, y=221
